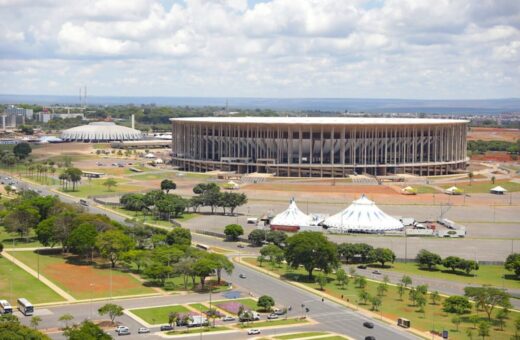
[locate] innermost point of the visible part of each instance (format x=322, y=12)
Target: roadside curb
x=351, y=306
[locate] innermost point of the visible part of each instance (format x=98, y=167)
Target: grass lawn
x=96, y=187
x=11, y=240
x=494, y=275
x=158, y=315
x=80, y=280
x=152, y=175
x=300, y=335
x=334, y=337
x=199, y=307
x=269, y=323
x=483, y=187
x=45, y=180
x=393, y=307
x=16, y=282
x=198, y=330
x=425, y=189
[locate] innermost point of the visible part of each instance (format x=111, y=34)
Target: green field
x=199, y=307
x=80, y=280
x=486, y=275
x=425, y=189
x=16, y=283
x=158, y=315
x=151, y=176
x=96, y=187
x=393, y=307
x=270, y=323
x=483, y=187
x=199, y=330
x=300, y=335
x=13, y=240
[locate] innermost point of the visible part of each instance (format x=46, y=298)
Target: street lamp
x=91, y=298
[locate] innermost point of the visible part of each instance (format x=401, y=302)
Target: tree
x=277, y=237
x=179, y=236
x=158, y=272
x=456, y=304
x=487, y=298
x=138, y=257
x=112, y=310
x=347, y=251
x=209, y=194
x=428, y=259
x=376, y=302
x=456, y=320
x=400, y=290
x=233, y=231
x=434, y=297
x=363, y=250
x=321, y=280
x=153, y=196
x=474, y=319
x=341, y=277
x=360, y=281
x=312, y=250
x=382, y=255
x=87, y=330
x=266, y=303
x=1, y=247
x=172, y=318
x=513, y=264
x=110, y=183
x=381, y=289
x=170, y=205
x=517, y=328
x=468, y=266
x=470, y=176
x=493, y=179
x=35, y=321
x=452, y=262
x=483, y=329
x=469, y=333
x=257, y=237
x=22, y=150
x=420, y=301
x=232, y=200
x=501, y=317
x=167, y=185
x=222, y=263
x=11, y=328
x=363, y=296
x=66, y=318
x=133, y=202
x=83, y=239
x=112, y=244
x=202, y=268
x=74, y=176
x=26, y=129
x=21, y=219
x=273, y=252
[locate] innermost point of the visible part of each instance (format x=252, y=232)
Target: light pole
x=91, y=298
x=38, y=262
x=111, y=282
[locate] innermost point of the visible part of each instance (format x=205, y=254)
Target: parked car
x=125, y=331
x=362, y=266
x=370, y=337
x=143, y=330
x=272, y=316
x=242, y=276
x=368, y=324
x=228, y=318
x=120, y=327
x=253, y=331
x=166, y=328
x=377, y=272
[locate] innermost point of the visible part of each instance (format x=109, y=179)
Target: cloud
x=330, y=48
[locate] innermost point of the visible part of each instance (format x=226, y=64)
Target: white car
x=253, y=331
x=120, y=327
x=272, y=316
x=228, y=318
x=143, y=330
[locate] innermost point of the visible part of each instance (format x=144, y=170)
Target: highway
x=329, y=315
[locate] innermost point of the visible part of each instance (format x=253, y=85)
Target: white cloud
x=395, y=48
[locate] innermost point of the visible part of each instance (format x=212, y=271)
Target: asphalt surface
x=329, y=315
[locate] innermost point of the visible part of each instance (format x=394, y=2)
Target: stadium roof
x=321, y=120
x=362, y=216
x=101, y=132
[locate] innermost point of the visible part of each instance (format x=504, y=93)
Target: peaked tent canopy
x=498, y=190
x=362, y=216
x=291, y=219
x=409, y=191
x=453, y=191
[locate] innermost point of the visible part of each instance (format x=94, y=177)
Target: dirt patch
x=497, y=156
x=489, y=134
x=78, y=278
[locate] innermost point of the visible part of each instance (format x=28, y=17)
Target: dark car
x=370, y=337
x=362, y=266
x=368, y=324
x=166, y=328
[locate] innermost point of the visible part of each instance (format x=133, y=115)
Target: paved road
x=331, y=316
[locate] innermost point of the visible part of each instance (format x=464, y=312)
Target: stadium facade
x=320, y=146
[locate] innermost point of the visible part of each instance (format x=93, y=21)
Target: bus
x=25, y=307
x=402, y=322
x=5, y=307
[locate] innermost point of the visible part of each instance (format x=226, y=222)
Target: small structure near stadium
x=498, y=190
x=293, y=219
x=362, y=216
x=100, y=132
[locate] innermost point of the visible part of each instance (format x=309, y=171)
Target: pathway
x=40, y=277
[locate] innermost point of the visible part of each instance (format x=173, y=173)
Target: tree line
x=429, y=260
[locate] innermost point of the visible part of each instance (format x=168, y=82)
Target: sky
x=410, y=49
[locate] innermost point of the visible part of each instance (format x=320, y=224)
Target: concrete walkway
x=42, y=278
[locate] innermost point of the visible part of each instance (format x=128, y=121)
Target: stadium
x=320, y=146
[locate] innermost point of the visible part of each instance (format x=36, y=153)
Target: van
x=402, y=322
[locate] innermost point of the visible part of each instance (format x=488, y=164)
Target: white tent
x=453, y=191
x=498, y=190
x=149, y=155
x=232, y=185
x=291, y=219
x=158, y=161
x=362, y=216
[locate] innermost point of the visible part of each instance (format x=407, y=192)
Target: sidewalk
x=42, y=278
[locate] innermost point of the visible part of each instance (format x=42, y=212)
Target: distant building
x=12, y=110
x=45, y=117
